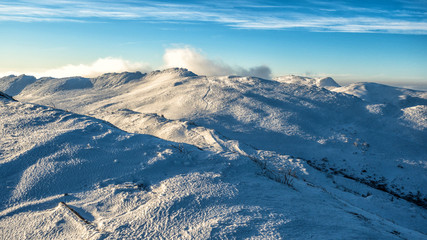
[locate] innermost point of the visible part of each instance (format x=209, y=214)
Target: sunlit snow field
x=174, y=155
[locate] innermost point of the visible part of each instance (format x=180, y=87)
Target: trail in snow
x=206, y=94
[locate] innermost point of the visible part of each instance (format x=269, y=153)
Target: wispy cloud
x=395, y=17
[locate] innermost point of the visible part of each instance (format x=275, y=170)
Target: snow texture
x=173, y=155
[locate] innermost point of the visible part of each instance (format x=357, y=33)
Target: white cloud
x=100, y=66
x=328, y=16
x=193, y=60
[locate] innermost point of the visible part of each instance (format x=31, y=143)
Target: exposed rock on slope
x=2, y=95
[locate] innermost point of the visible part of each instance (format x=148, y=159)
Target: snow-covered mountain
x=13, y=85
x=326, y=82
x=240, y=157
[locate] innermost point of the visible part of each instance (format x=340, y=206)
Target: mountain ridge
x=343, y=146
x=286, y=117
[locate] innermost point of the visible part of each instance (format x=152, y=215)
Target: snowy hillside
x=13, y=85
x=336, y=132
x=320, y=82
x=292, y=157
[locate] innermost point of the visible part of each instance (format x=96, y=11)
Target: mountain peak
x=13, y=85
x=181, y=72
x=319, y=82
x=116, y=79
x=327, y=82
x=381, y=93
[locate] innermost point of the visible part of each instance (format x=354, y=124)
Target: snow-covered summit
x=380, y=93
x=173, y=72
x=320, y=82
x=116, y=79
x=49, y=86
x=13, y=85
x=326, y=82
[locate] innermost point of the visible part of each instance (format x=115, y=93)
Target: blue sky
x=382, y=41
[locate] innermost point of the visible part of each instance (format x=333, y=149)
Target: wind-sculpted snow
x=48, y=86
x=360, y=157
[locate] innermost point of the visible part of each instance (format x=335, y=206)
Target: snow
x=326, y=82
x=13, y=85
x=380, y=93
x=416, y=116
x=116, y=79
x=170, y=154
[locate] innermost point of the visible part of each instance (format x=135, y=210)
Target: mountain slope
x=13, y=85
x=326, y=82
x=380, y=144
x=340, y=150
x=72, y=176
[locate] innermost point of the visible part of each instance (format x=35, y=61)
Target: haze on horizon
x=380, y=41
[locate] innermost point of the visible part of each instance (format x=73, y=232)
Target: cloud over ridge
x=185, y=57
x=192, y=59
